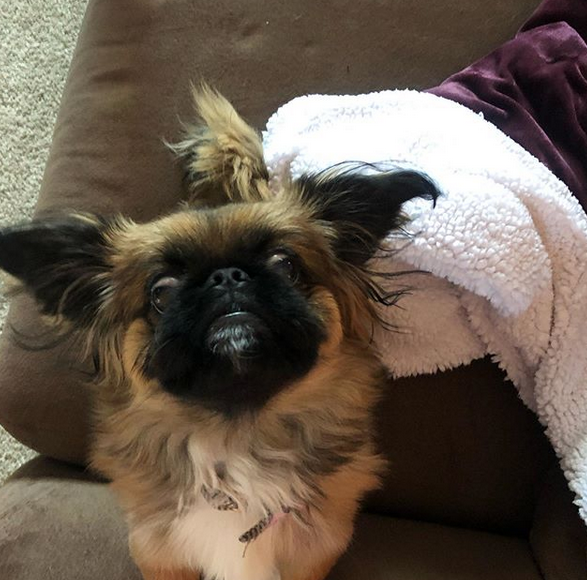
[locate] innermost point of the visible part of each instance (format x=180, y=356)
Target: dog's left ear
x=362, y=207
x=62, y=262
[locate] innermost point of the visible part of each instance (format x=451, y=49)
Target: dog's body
x=237, y=379
x=315, y=463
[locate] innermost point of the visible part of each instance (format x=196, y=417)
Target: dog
x=236, y=373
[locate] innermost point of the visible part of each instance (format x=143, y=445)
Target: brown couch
x=475, y=492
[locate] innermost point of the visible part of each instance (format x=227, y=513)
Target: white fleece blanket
x=506, y=244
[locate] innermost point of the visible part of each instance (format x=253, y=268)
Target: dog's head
x=224, y=304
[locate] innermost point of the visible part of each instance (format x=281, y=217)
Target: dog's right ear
x=223, y=156
x=362, y=208
x=62, y=262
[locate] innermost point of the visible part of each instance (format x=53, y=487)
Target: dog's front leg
x=316, y=572
x=151, y=573
x=160, y=569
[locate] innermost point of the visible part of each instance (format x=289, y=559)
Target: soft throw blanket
x=506, y=244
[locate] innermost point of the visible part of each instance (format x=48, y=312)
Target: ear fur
x=363, y=207
x=62, y=262
x=223, y=156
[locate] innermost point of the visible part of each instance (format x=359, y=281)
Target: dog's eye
x=284, y=264
x=162, y=292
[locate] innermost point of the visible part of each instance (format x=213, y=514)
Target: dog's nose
x=227, y=278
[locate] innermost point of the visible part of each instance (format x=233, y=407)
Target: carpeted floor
x=37, y=38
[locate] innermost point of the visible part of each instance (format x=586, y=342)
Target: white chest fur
x=205, y=538
x=209, y=539
x=261, y=480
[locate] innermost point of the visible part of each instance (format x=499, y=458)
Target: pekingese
x=237, y=378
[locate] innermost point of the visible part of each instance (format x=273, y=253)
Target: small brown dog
x=237, y=378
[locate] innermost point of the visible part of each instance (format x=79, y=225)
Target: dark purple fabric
x=534, y=88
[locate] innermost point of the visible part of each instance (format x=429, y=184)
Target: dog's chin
x=238, y=339
x=236, y=364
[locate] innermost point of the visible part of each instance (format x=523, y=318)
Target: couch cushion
x=56, y=523
x=463, y=450
x=387, y=548
x=558, y=537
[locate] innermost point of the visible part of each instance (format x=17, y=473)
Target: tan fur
x=224, y=156
x=164, y=574
x=318, y=571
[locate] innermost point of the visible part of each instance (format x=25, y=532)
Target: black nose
x=227, y=278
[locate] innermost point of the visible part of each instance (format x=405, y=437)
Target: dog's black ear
x=62, y=262
x=363, y=207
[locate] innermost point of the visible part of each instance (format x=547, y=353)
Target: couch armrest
x=58, y=523
x=558, y=536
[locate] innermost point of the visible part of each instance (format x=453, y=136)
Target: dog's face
x=237, y=306
x=225, y=305
x=234, y=302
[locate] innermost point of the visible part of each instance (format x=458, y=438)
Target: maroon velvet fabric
x=534, y=88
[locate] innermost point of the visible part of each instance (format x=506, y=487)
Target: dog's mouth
x=236, y=317
x=233, y=355
x=237, y=336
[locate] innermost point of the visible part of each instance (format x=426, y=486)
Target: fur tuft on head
x=223, y=156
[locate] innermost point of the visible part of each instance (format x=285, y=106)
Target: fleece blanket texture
x=506, y=248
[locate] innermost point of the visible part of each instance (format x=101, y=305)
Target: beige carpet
x=37, y=38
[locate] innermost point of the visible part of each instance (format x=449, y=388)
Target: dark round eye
x=284, y=264
x=162, y=291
